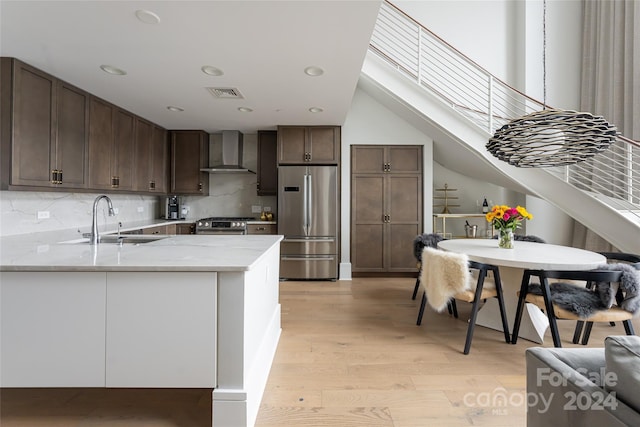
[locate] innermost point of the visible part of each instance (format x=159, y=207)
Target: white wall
x=505, y=37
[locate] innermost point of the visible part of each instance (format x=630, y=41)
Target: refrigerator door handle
x=308, y=258
x=309, y=202
x=312, y=240
x=305, y=206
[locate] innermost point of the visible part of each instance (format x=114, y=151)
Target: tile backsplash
x=26, y=211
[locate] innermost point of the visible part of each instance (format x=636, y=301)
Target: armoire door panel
x=369, y=252
x=405, y=198
x=405, y=159
x=367, y=159
x=368, y=203
x=401, y=246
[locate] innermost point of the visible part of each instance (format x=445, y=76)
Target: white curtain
x=610, y=79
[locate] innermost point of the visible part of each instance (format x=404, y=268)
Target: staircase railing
x=612, y=176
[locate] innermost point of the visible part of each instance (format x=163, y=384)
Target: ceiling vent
x=225, y=92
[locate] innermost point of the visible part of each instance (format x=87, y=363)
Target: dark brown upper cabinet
x=267, y=180
x=111, y=146
x=44, y=129
x=151, y=154
x=309, y=145
x=189, y=154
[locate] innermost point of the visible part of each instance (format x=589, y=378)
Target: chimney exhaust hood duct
x=231, y=154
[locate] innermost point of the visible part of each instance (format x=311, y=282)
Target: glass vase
x=505, y=238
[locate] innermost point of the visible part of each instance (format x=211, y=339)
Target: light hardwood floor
x=350, y=354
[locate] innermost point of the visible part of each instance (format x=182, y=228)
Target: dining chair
x=421, y=241
x=612, y=257
x=561, y=307
x=446, y=277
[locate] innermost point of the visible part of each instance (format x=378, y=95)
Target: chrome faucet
x=94, y=236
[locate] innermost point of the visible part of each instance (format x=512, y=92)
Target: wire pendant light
x=551, y=137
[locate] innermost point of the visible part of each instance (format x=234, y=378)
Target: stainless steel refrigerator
x=308, y=216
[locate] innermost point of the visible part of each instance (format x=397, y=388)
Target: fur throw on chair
x=584, y=302
x=443, y=275
x=422, y=241
x=630, y=285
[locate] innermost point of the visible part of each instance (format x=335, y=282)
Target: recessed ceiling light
x=245, y=109
x=147, y=16
x=316, y=110
x=113, y=70
x=174, y=108
x=211, y=71
x=313, y=71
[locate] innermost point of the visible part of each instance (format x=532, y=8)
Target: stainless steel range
x=222, y=225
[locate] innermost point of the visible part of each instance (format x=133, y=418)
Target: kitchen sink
x=123, y=239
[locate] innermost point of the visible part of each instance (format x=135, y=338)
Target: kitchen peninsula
x=177, y=312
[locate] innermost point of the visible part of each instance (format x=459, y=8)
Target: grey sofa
x=585, y=386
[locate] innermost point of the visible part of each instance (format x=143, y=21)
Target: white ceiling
x=262, y=47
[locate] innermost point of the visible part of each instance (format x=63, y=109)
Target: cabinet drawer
x=262, y=229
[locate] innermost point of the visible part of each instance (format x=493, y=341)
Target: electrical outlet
x=140, y=209
x=256, y=209
x=43, y=214
x=267, y=208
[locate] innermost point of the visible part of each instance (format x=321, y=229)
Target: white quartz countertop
x=66, y=251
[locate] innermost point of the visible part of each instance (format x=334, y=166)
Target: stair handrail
x=489, y=103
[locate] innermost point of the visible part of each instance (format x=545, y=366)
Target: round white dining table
x=511, y=263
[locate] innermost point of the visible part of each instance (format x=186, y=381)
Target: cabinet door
x=159, y=159
x=367, y=223
x=71, y=153
x=292, y=144
x=123, y=149
x=143, y=153
x=189, y=153
x=404, y=159
x=368, y=159
x=323, y=144
x=267, y=163
x=405, y=220
x=33, y=147
x=100, y=144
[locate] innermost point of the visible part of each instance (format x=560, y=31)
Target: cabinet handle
x=114, y=182
x=60, y=176
x=55, y=177
x=388, y=167
x=199, y=186
x=152, y=185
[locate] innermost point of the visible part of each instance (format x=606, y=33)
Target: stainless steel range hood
x=231, y=154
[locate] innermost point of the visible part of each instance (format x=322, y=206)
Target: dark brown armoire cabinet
x=189, y=154
x=386, y=207
x=44, y=129
x=308, y=145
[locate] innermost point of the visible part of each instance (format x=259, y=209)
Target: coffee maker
x=172, y=208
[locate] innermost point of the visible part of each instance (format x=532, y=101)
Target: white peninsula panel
x=161, y=329
x=52, y=329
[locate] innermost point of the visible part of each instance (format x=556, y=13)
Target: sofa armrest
x=561, y=391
